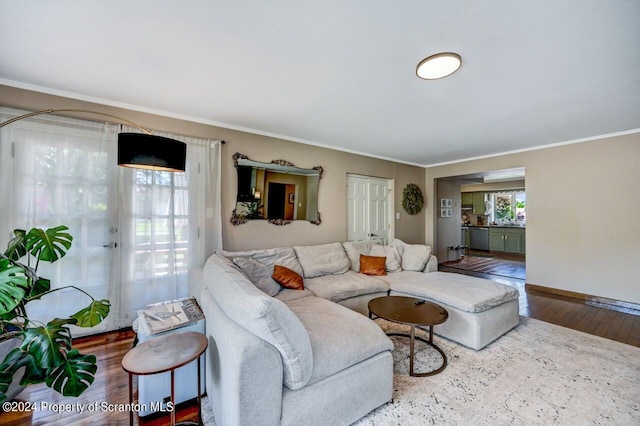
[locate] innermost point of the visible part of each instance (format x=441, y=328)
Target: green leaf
x=48, y=245
x=74, y=375
x=40, y=286
x=13, y=286
x=50, y=343
x=16, y=359
x=93, y=314
x=15, y=248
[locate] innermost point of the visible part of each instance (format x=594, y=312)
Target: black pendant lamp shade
x=142, y=151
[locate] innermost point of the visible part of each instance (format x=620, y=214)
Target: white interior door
x=369, y=208
x=379, y=223
x=357, y=208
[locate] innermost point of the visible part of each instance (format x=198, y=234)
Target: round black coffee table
x=413, y=312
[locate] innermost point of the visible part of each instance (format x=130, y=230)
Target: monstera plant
x=43, y=353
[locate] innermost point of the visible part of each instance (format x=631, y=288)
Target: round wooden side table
x=162, y=354
x=413, y=312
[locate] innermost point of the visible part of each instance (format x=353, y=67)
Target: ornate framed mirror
x=277, y=192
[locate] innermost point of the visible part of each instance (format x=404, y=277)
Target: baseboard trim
x=601, y=302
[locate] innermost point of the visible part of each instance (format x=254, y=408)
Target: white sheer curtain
x=169, y=222
x=60, y=171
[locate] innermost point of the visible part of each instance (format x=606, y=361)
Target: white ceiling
x=341, y=73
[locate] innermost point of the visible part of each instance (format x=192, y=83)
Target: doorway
x=369, y=208
x=486, y=232
x=281, y=202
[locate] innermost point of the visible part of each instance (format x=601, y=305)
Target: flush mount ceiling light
x=136, y=150
x=438, y=66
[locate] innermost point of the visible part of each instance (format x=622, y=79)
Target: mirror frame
x=239, y=219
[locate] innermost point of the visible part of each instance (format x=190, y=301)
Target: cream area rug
x=537, y=374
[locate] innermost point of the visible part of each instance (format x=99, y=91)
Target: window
x=161, y=223
x=135, y=232
x=509, y=207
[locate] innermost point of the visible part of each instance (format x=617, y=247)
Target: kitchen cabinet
x=467, y=198
x=478, y=203
x=508, y=240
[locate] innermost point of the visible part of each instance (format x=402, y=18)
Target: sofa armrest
x=244, y=373
x=432, y=265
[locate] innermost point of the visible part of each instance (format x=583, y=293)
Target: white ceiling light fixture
x=438, y=66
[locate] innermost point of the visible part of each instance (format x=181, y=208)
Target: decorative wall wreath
x=412, y=199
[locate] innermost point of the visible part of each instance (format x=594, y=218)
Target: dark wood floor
x=501, y=264
x=111, y=383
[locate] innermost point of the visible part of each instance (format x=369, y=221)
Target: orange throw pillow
x=287, y=278
x=372, y=265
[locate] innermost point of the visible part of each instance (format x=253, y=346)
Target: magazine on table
x=159, y=317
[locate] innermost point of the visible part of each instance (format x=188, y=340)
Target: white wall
x=583, y=234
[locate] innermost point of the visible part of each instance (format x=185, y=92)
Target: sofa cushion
x=394, y=260
x=344, y=286
x=258, y=273
x=339, y=336
x=322, y=259
x=284, y=256
x=463, y=292
x=287, y=294
x=287, y=278
x=266, y=317
x=414, y=256
x=372, y=265
x=354, y=249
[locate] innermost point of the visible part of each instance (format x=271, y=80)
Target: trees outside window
x=509, y=206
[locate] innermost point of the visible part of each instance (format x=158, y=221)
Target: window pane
x=143, y=201
x=45, y=160
x=181, y=230
x=162, y=232
x=97, y=200
x=72, y=199
x=43, y=200
x=98, y=166
x=180, y=179
x=521, y=206
x=503, y=207
x=181, y=202
x=143, y=232
x=162, y=228
x=162, y=178
x=143, y=177
x=72, y=163
x=161, y=201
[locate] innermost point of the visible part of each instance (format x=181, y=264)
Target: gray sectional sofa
x=290, y=357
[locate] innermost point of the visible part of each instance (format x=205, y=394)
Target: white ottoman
x=480, y=310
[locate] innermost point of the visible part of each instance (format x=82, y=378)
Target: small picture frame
x=292, y=198
x=446, y=202
x=446, y=213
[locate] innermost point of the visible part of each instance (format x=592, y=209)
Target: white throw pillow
x=394, y=260
x=322, y=259
x=414, y=256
